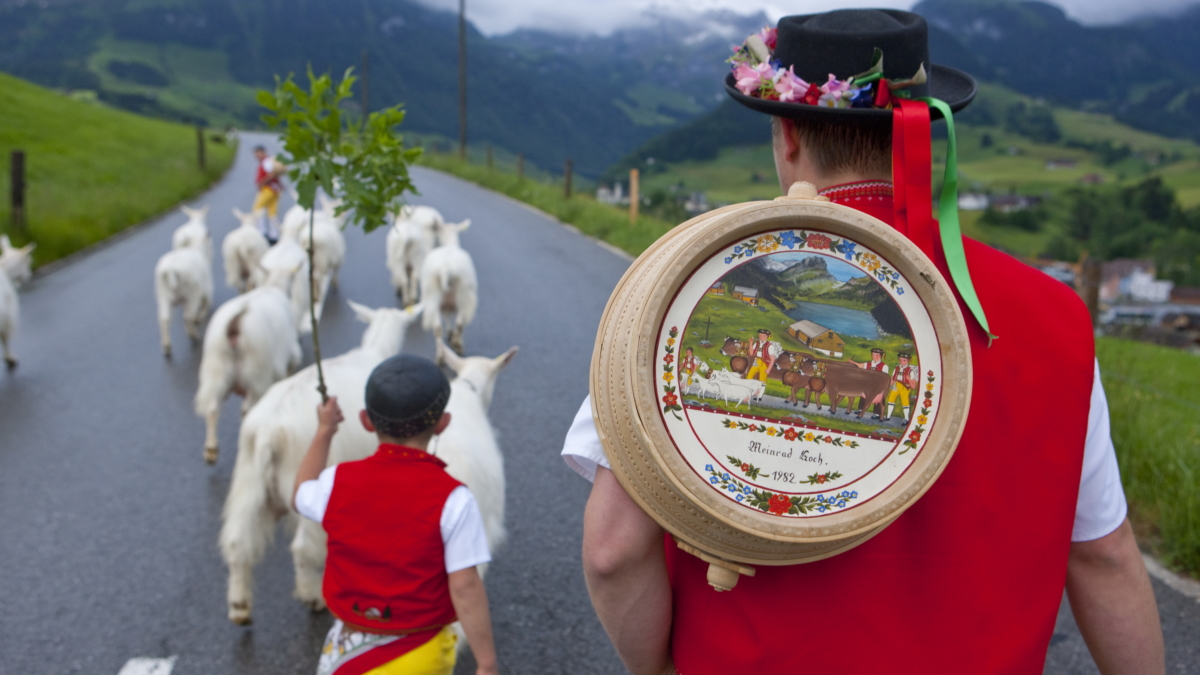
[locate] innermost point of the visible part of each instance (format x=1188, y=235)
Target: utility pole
x=462, y=78
x=567, y=179
x=366, y=83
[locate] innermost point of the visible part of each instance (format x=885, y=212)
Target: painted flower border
x=790, y=433
x=670, y=398
x=775, y=503
x=816, y=241
x=914, y=436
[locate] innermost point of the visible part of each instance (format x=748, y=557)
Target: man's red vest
x=386, y=568
x=970, y=578
x=264, y=179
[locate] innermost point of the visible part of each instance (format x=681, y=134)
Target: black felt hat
x=843, y=43
x=406, y=396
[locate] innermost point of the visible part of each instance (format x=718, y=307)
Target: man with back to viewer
x=967, y=580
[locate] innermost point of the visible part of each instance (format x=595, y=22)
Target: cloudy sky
x=602, y=16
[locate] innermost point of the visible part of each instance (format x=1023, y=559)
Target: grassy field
x=93, y=171
x=581, y=210
x=1155, y=405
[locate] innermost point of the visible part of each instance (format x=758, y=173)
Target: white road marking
x=144, y=666
x=1182, y=584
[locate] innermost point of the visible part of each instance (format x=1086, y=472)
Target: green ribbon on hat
x=951, y=230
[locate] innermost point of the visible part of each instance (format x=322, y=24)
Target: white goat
x=274, y=437
x=15, y=269
x=733, y=388
x=286, y=256
x=328, y=244
x=242, y=249
x=182, y=277
x=449, y=289
x=251, y=343
x=194, y=233
x=409, y=240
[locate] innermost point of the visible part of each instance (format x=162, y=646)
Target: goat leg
x=9, y=360
x=210, y=437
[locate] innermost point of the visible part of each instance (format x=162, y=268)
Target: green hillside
x=1010, y=144
x=93, y=171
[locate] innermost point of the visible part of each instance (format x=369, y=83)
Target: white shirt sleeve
x=582, y=450
x=1101, y=507
x=268, y=164
x=463, y=536
x=312, y=498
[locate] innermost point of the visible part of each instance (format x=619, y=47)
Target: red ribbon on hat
x=912, y=175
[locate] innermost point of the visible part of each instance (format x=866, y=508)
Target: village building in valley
x=818, y=337
x=746, y=295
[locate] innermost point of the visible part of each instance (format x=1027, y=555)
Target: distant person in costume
x=904, y=381
x=405, y=537
x=763, y=354
x=970, y=578
x=266, y=202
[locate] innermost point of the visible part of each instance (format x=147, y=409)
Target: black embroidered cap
x=406, y=396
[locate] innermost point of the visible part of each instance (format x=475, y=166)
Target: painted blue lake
x=841, y=320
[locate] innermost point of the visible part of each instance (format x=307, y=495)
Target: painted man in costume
x=687, y=367
x=931, y=593
x=904, y=381
x=763, y=353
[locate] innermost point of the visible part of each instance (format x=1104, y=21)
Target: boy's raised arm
x=471, y=604
x=329, y=416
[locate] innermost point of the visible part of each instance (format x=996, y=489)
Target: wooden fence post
x=17, y=176
x=633, y=195
x=567, y=179
x=520, y=165
x=1089, y=287
x=200, y=158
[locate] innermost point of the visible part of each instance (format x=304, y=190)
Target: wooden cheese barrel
x=756, y=467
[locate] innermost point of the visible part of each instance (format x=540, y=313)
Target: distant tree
x=1035, y=122
x=986, y=141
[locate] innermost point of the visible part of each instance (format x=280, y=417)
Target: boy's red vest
x=970, y=578
x=386, y=568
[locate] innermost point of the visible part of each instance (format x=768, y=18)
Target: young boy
x=404, y=536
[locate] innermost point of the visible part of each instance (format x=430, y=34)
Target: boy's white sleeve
x=582, y=450
x=312, y=497
x=463, y=535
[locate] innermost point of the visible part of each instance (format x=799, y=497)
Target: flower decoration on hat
x=756, y=73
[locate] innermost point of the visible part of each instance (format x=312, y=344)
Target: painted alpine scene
x=805, y=339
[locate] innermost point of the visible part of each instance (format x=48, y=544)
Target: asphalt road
x=109, y=517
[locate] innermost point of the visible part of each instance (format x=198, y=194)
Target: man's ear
x=442, y=424
x=791, y=139
x=366, y=421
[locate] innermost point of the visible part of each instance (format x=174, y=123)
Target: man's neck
x=826, y=182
